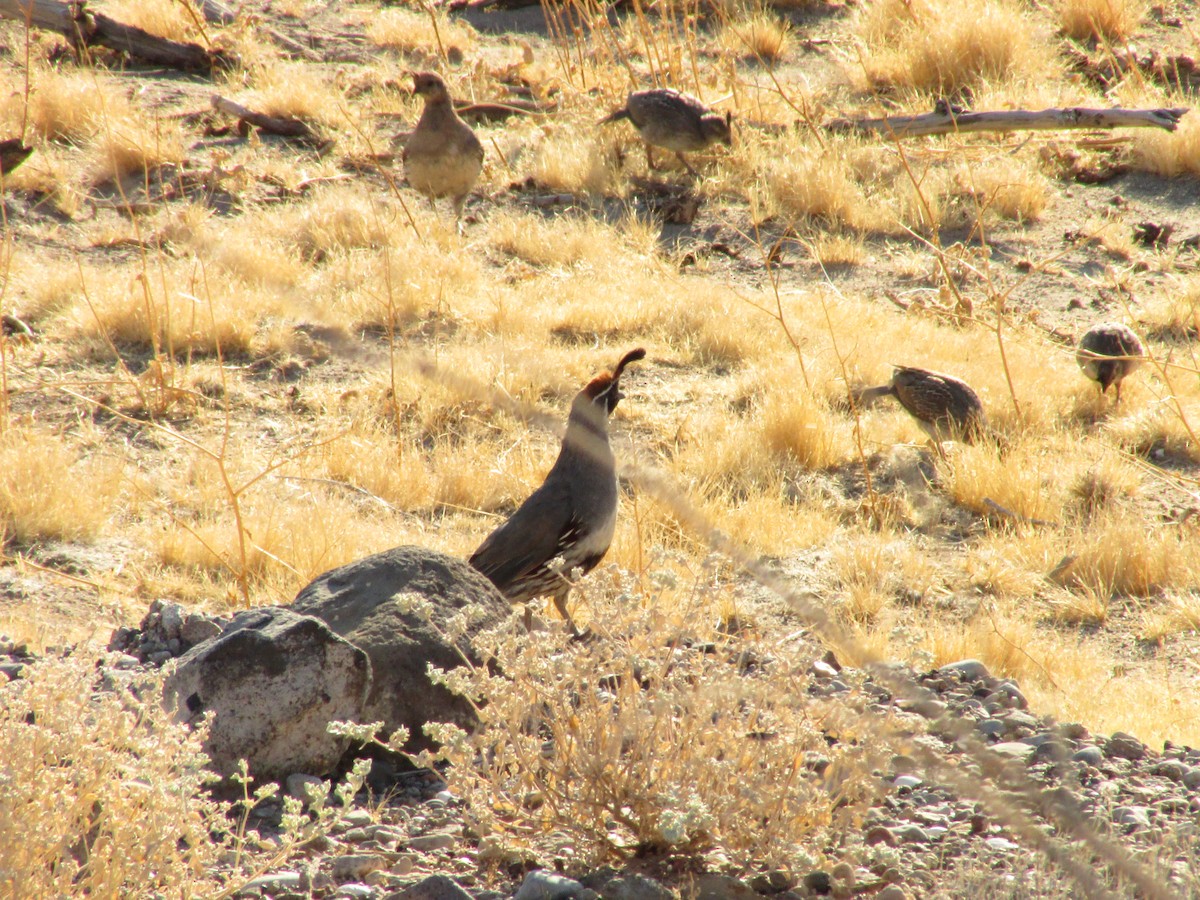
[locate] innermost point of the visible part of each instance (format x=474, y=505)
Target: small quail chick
x=674, y=121
x=443, y=156
x=946, y=408
x=1108, y=352
x=568, y=522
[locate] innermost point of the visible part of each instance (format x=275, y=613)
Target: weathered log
x=284, y=126
x=947, y=121
x=84, y=28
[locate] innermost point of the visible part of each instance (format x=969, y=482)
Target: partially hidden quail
x=443, y=156
x=1108, y=352
x=567, y=524
x=946, y=408
x=674, y=121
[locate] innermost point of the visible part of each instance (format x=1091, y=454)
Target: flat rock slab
x=359, y=602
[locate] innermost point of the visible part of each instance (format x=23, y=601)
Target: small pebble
x=542, y=885
x=355, y=866
x=429, y=843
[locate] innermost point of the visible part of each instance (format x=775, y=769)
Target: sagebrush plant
x=103, y=794
x=666, y=733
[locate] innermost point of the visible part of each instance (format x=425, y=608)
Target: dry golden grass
x=422, y=33
x=946, y=47
x=759, y=35
x=48, y=492
x=176, y=20
x=1103, y=20
x=322, y=288
x=1172, y=153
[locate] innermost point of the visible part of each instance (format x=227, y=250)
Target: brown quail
x=443, y=156
x=567, y=524
x=1108, y=352
x=946, y=408
x=674, y=121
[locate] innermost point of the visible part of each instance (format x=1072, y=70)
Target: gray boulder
x=273, y=680
x=358, y=601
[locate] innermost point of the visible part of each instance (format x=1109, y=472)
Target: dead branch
x=84, y=28
x=284, y=126
x=947, y=121
x=498, y=112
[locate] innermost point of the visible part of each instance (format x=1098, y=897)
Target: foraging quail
x=945, y=407
x=443, y=156
x=15, y=328
x=674, y=121
x=568, y=522
x=1108, y=352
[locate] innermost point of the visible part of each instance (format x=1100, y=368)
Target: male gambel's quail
x=1108, y=352
x=674, y=121
x=571, y=517
x=443, y=156
x=946, y=408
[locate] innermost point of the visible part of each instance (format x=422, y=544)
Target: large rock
x=358, y=602
x=274, y=680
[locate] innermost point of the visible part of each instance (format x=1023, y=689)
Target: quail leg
x=560, y=603
x=687, y=165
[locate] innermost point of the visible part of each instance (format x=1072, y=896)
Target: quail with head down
x=674, y=121
x=443, y=157
x=946, y=408
x=1108, y=352
x=567, y=524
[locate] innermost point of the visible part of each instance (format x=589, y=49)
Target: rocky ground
x=407, y=835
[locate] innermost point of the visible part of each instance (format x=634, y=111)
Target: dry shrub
x=573, y=161
x=946, y=46
x=296, y=91
x=1025, y=481
x=1178, y=613
x=63, y=106
x=371, y=458
x=795, y=427
x=561, y=241
x=1008, y=188
x=134, y=144
x=103, y=793
x=339, y=218
x=806, y=181
x=167, y=317
x=47, y=492
x=831, y=251
x=873, y=571
x=1104, y=20
x=1174, y=314
x=1169, y=153
x=646, y=740
x=760, y=35
x=1125, y=557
